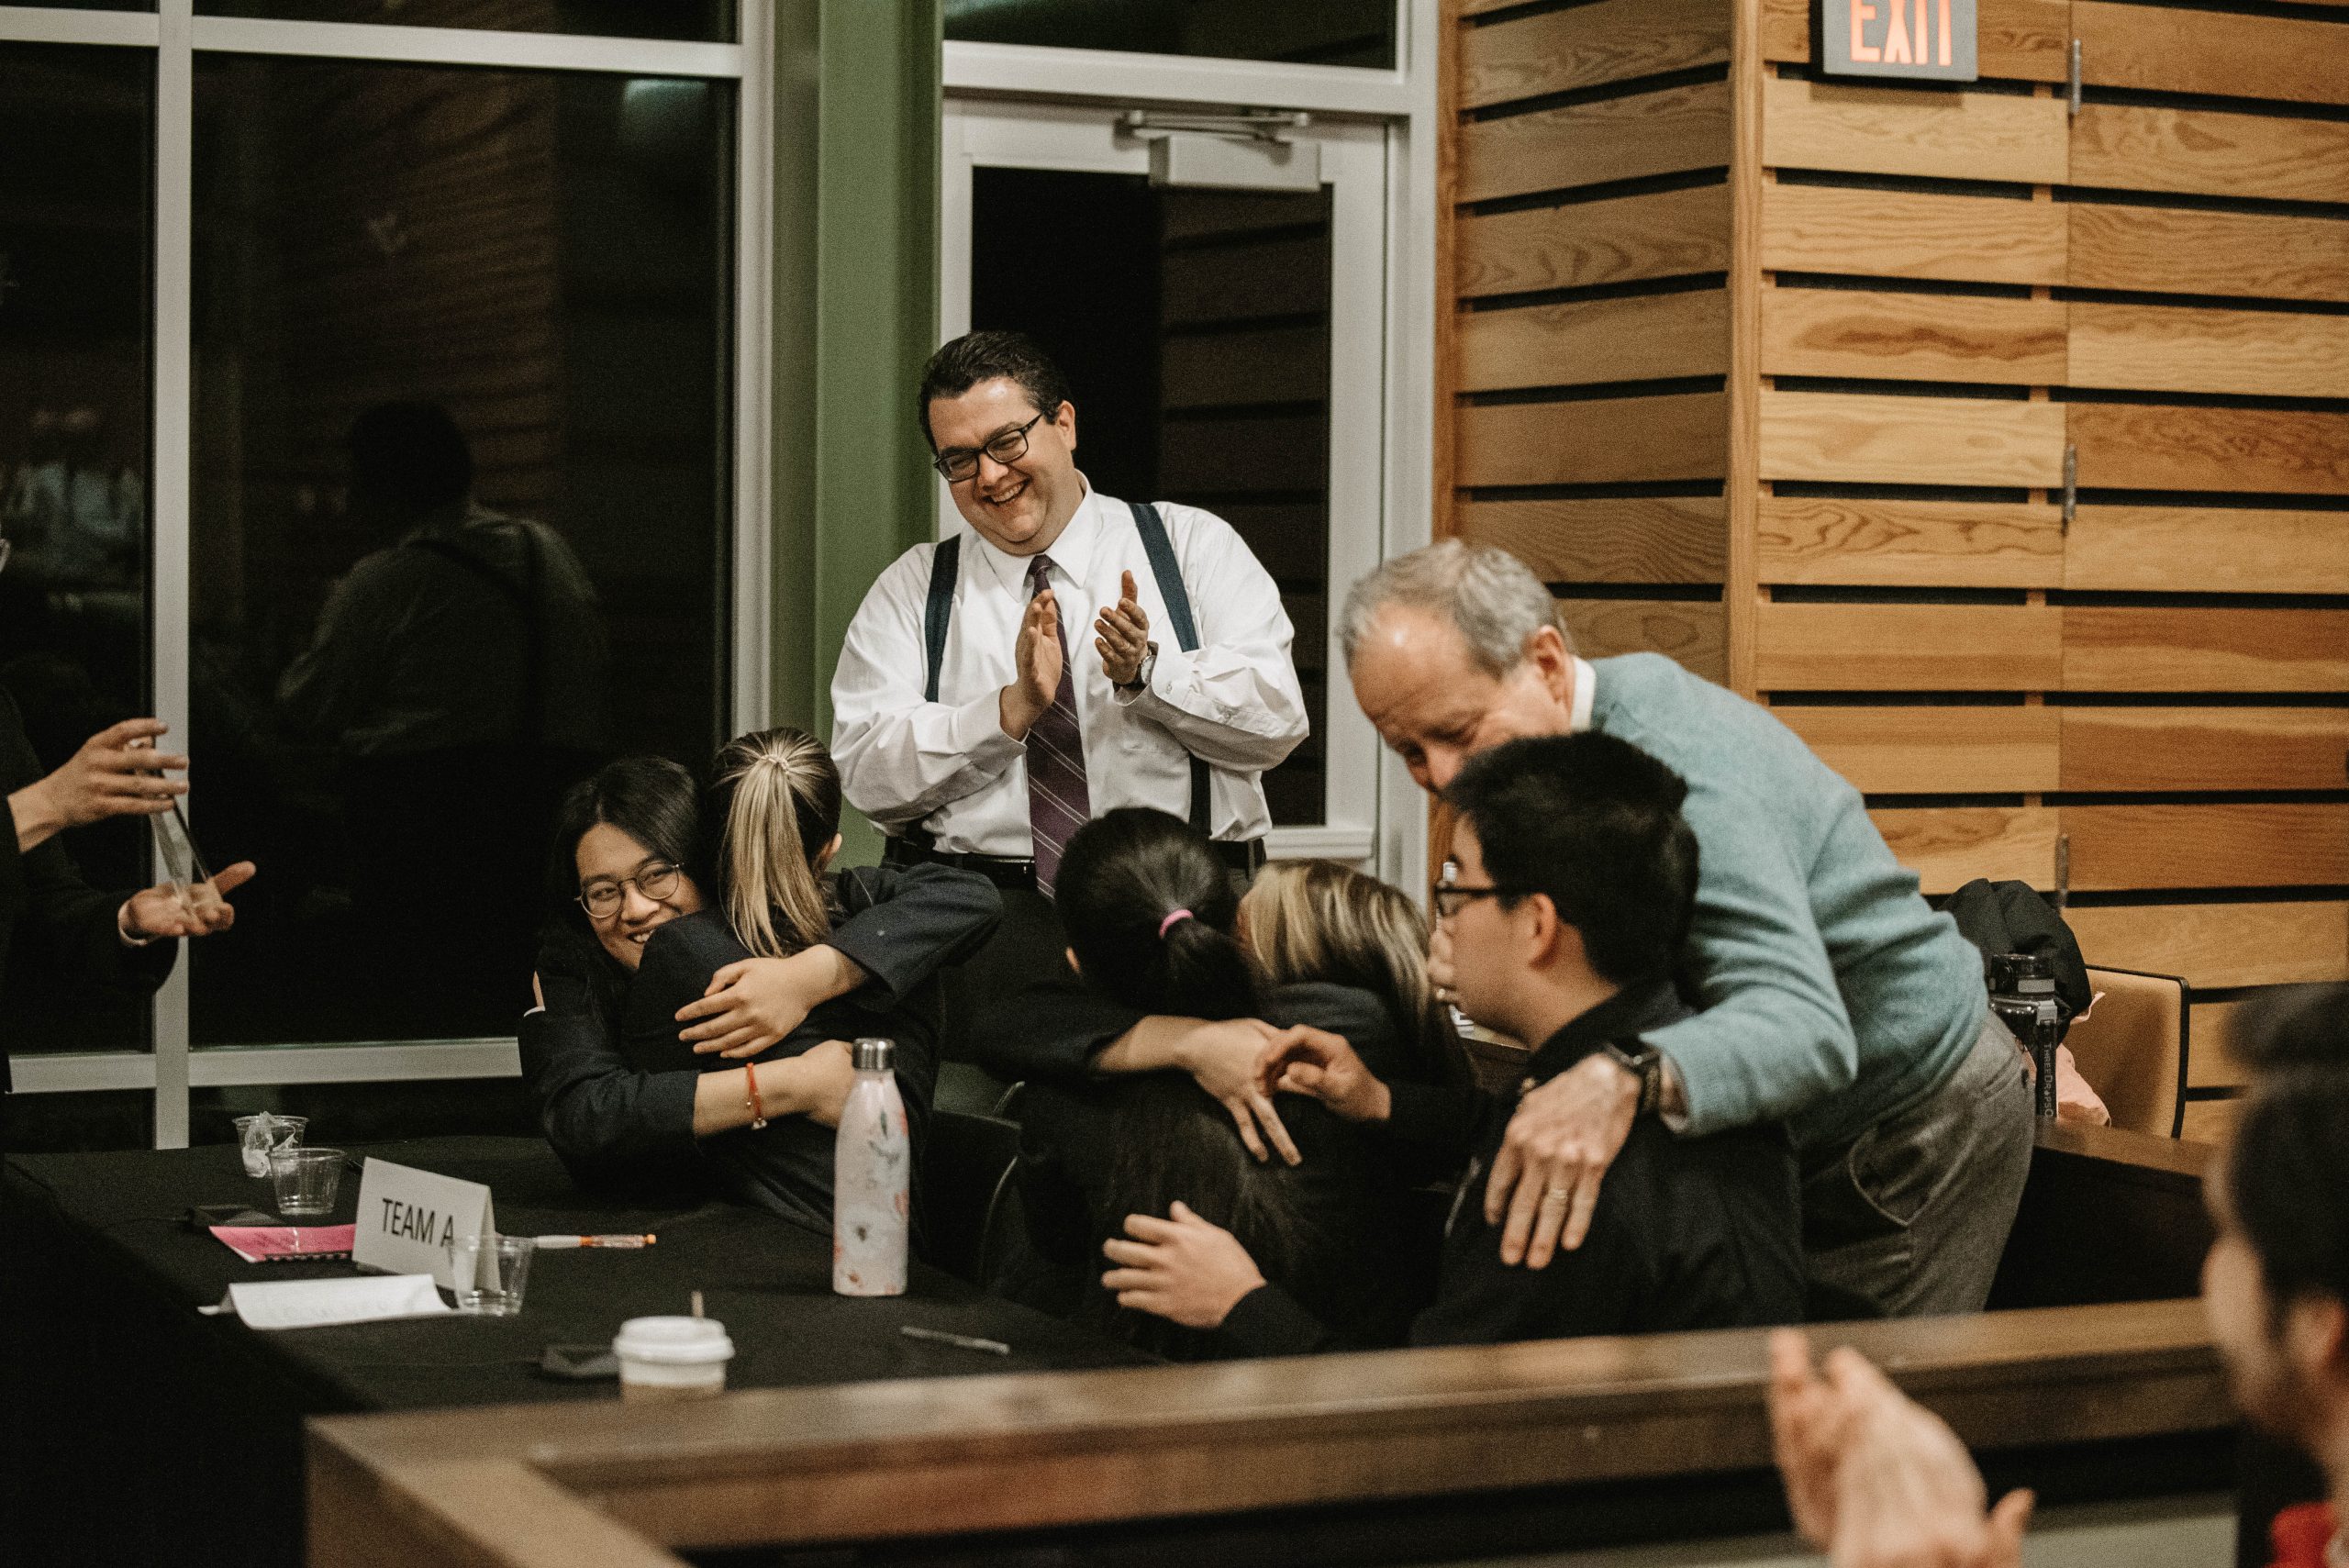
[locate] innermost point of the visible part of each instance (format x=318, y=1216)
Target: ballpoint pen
x=548, y=1243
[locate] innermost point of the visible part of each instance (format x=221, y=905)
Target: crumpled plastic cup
x=262, y=1132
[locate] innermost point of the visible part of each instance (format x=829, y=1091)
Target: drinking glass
x=263, y=1132
x=306, y=1180
x=490, y=1271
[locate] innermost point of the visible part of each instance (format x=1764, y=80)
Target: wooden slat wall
x=1586, y=340
x=1954, y=288
x=1676, y=255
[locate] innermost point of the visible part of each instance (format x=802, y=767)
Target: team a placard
x=1931, y=41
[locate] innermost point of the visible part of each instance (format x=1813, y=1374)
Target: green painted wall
x=856, y=314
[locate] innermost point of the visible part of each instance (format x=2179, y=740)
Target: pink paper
x=257, y=1243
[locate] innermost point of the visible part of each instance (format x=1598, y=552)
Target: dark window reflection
x=77, y=127
x=1195, y=326
x=696, y=21
x=459, y=509
x=1301, y=32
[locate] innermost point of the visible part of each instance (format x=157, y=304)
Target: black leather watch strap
x=1644, y=1061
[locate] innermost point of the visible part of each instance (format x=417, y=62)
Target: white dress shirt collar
x=1071, y=553
x=1585, y=692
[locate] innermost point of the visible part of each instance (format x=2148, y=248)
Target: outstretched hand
x=1876, y=1480
x=1180, y=1268
x=157, y=911
x=115, y=773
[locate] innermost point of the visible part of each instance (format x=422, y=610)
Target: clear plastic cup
x=264, y=1130
x=305, y=1180
x=490, y=1272
x=671, y=1358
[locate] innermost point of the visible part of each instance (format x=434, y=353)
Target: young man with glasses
x=1069, y=654
x=1568, y=913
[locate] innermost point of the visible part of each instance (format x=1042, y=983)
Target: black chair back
x=966, y=1168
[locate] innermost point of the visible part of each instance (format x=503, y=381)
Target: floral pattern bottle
x=872, y=1179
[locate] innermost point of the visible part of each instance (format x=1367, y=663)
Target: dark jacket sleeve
x=1061, y=1025
x=1483, y=1301
x=606, y=1120
x=47, y=907
x=906, y=923
x=1268, y=1321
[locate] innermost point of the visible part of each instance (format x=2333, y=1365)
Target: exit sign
x=1929, y=40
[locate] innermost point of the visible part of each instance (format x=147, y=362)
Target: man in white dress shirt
x=989, y=754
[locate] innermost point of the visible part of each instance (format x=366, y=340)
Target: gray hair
x=1489, y=594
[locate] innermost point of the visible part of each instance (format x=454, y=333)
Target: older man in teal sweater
x=1834, y=999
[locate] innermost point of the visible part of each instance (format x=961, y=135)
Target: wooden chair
x=2132, y=1048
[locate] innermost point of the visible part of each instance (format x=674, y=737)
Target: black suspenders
x=945, y=565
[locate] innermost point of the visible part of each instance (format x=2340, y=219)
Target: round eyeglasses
x=602, y=898
x=956, y=464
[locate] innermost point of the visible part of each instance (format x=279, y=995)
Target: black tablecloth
x=140, y=1431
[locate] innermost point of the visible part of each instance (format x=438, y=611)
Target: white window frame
x=1379, y=819
x=176, y=34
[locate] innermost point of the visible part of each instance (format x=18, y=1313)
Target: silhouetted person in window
x=459, y=674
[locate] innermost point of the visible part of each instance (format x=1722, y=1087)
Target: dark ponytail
x=1149, y=912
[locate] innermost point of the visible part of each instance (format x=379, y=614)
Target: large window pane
x=1195, y=327
x=1302, y=33
x=78, y=131
x=698, y=21
x=394, y=266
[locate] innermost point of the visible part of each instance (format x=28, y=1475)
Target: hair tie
x=1172, y=916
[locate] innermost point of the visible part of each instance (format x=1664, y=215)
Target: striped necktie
x=1058, y=801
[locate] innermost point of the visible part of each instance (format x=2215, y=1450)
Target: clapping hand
x=1121, y=634
x=1037, y=660
x=1874, y=1479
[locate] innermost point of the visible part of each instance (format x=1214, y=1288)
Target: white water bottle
x=872, y=1179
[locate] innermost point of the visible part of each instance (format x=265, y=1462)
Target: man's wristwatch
x=1141, y=671
x=1644, y=1063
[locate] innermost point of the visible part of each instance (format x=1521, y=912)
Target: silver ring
x=1558, y=1195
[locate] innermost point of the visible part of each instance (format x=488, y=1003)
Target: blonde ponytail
x=779, y=796
x=1318, y=920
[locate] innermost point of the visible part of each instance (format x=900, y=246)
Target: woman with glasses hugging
x=1154, y=1111
x=697, y=993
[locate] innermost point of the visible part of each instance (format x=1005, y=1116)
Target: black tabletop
x=767, y=1280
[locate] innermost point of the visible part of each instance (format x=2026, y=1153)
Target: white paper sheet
x=311, y=1304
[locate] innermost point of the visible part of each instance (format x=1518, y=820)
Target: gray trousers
x=1913, y=1214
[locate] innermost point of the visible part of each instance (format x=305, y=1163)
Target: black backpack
x=2011, y=916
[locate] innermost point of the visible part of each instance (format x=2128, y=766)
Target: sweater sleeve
x=1773, y=1036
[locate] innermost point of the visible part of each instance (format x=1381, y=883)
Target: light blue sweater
x=1834, y=996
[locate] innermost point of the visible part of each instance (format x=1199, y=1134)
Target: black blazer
x=1372, y=1244
x=924, y=918
x=1689, y=1232
x=627, y=1125
x=45, y=904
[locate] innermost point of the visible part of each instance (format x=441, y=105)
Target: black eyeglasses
x=602, y=898
x=956, y=464
x=1451, y=897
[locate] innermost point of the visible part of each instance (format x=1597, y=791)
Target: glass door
x=1226, y=342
